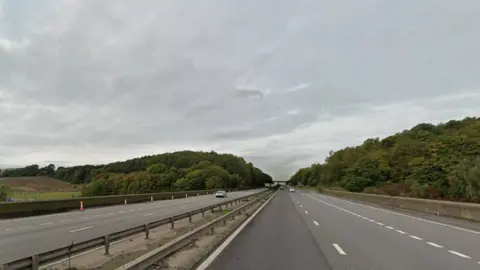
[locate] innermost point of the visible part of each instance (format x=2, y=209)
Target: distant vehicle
x=220, y=194
x=291, y=190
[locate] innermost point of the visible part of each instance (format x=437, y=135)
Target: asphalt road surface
x=24, y=237
x=276, y=239
x=304, y=230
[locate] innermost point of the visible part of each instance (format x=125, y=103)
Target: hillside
x=183, y=170
x=428, y=161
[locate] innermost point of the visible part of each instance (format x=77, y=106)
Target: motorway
x=305, y=230
x=24, y=237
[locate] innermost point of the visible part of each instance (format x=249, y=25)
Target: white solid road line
x=434, y=245
x=81, y=229
x=381, y=224
x=415, y=237
x=404, y=215
x=389, y=227
x=402, y=232
x=205, y=264
x=316, y=223
x=459, y=254
x=339, y=249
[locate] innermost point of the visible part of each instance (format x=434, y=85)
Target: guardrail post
x=35, y=262
x=198, y=194
x=224, y=222
x=106, y=240
x=220, y=207
x=147, y=231
x=212, y=230
x=211, y=207
x=186, y=195
x=233, y=217
x=190, y=217
x=203, y=213
x=172, y=223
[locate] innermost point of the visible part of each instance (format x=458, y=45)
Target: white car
x=291, y=190
x=220, y=194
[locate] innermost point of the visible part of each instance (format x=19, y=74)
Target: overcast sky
x=279, y=82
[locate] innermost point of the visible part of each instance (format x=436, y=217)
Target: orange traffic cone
x=81, y=205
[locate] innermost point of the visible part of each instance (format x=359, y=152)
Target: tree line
x=428, y=161
x=177, y=171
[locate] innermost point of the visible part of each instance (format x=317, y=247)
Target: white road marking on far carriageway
x=81, y=229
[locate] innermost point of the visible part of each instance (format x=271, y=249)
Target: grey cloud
x=117, y=73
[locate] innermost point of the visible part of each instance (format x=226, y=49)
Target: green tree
x=428, y=161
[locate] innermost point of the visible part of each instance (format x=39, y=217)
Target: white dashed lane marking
x=459, y=254
x=81, y=229
x=415, y=237
x=434, y=245
x=44, y=224
x=391, y=228
x=339, y=249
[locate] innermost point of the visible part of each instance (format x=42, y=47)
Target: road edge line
x=206, y=263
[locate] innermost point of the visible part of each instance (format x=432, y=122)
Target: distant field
x=40, y=188
x=29, y=196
